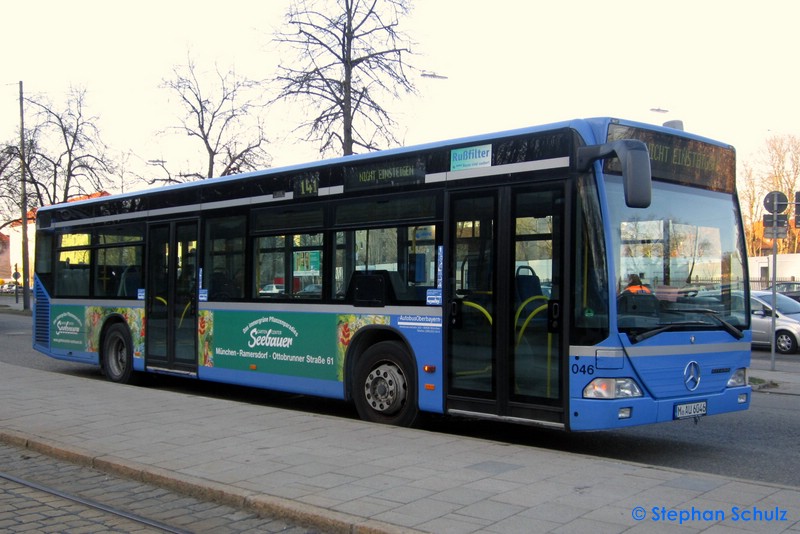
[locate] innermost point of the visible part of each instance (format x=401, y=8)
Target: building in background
x=5, y=258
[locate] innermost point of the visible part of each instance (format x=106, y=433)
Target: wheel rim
x=784, y=342
x=385, y=388
x=117, y=354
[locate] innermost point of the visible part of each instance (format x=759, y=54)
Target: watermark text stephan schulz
x=739, y=514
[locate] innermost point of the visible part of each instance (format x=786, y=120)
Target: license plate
x=693, y=409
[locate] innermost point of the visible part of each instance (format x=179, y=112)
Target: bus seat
x=82, y=280
x=528, y=283
x=63, y=284
x=370, y=288
x=73, y=282
x=401, y=289
x=129, y=282
x=222, y=287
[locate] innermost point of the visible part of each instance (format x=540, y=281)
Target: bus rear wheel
x=385, y=389
x=118, y=354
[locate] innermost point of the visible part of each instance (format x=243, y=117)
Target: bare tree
x=751, y=203
x=9, y=184
x=224, y=118
x=65, y=155
x=350, y=62
x=778, y=169
x=126, y=179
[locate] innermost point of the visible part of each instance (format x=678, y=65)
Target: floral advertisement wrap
x=345, y=328
x=294, y=344
x=78, y=328
x=205, y=334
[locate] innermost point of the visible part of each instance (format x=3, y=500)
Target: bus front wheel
x=118, y=354
x=385, y=388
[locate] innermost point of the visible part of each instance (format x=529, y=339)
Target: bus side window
x=405, y=256
x=307, y=262
x=44, y=259
x=270, y=267
x=117, y=261
x=224, y=258
x=289, y=266
x=72, y=274
x=344, y=264
x=117, y=272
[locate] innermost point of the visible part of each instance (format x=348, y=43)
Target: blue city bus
x=484, y=277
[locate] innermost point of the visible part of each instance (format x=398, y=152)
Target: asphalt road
x=759, y=444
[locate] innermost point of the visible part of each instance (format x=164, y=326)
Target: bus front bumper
x=607, y=414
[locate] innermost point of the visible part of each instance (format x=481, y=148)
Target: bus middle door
x=171, y=296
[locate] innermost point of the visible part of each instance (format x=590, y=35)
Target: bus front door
x=504, y=340
x=171, y=295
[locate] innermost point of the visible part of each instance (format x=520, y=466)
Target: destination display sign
x=306, y=185
x=681, y=160
x=388, y=174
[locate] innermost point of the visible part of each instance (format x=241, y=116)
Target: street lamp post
x=26, y=300
x=676, y=124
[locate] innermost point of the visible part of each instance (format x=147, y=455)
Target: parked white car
x=271, y=289
x=787, y=321
x=8, y=288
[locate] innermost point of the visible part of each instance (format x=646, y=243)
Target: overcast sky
x=727, y=69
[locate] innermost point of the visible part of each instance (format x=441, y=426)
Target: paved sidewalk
x=350, y=476
x=785, y=379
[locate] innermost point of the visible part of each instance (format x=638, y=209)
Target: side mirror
x=634, y=161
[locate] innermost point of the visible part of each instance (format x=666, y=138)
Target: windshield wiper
x=647, y=334
x=729, y=328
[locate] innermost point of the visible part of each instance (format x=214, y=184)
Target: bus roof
x=592, y=130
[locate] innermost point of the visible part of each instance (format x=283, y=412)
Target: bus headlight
x=611, y=388
x=738, y=378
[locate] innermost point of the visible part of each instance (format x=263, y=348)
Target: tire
x=785, y=343
x=118, y=354
x=385, y=386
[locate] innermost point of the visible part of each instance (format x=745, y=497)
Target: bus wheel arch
x=382, y=380
x=116, y=352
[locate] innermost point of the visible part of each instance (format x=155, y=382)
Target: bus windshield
x=679, y=263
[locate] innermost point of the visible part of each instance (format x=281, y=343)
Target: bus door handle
x=455, y=313
x=553, y=316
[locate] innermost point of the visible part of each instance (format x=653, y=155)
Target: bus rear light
x=611, y=388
